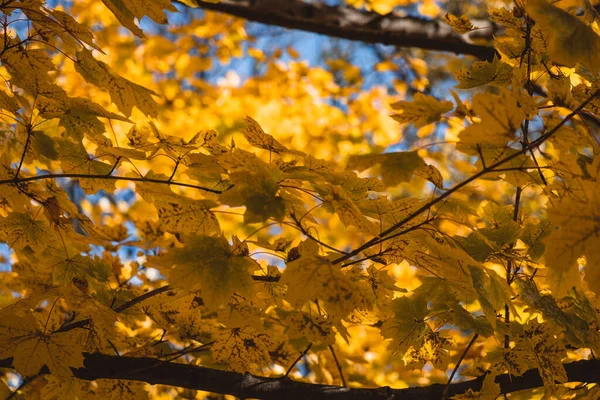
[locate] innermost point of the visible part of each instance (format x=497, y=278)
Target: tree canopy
x=354, y=199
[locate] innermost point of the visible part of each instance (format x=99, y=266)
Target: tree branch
x=153, y=371
x=354, y=24
x=18, y=180
x=128, y=304
x=490, y=168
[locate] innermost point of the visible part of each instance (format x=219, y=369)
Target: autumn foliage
x=174, y=228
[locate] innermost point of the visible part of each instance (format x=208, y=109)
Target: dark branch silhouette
x=153, y=371
x=364, y=26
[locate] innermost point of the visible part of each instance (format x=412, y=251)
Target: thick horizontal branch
x=153, y=371
x=354, y=24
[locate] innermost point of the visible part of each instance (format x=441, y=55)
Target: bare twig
x=297, y=360
x=457, y=366
x=339, y=367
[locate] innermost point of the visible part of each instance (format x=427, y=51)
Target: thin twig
x=174, y=169
x=113, y=347
x=119, y=309
x=24, y=151
x=308, y=235
x=139, y=299
x=509, y=269
x=109, y=177
x=188, y=350
x=297, y=360
x=24, y=382
x=460, y=360
x=491, y=168
x=339, y=367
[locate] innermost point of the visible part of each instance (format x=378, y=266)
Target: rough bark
x=354, y=24
x=153, y=371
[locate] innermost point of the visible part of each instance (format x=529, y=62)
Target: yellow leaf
x=26, y=340
x=29, y=68
x=577, y=217
x=315, y=277
x=396, y=167
x=292, y=52
x=175, y=310
x=258, y=138
x=505, y=17
x=386, y=66
x=422, y=110
x=257, y=190
x=570, y=41
x=314, y=329
x=207, y=264
x=495, y=73
x=72, y=31
x=181, y=215
x=124, y=93
x=348, y=212
x=460, y=24
x=242, y=348
x=501, y=116
x=434, y=349
x=541, y=349
x=127, y=10
x=241, y=312
x=408, y=327
x=432, y=174
x=8, y=103
x=19, y=231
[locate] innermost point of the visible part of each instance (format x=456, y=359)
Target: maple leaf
x=127, y=10
x=459, y=24
x=433, y=350
x=421, y=111
x=114, y=228
x=314, y=329
x=501, y=116
x=258, y=138
x=208, y=264
x=348, y=211
x=408, y=327
x=315, y=277
x=495, y=73
x=19, y=230
x=31, y=346
x=569, y=39
x=540, y=349
x=29, y=68
x=397, y=167
x=258, y=192
x=239, y=348
x=124, y=93
x=576, y=216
